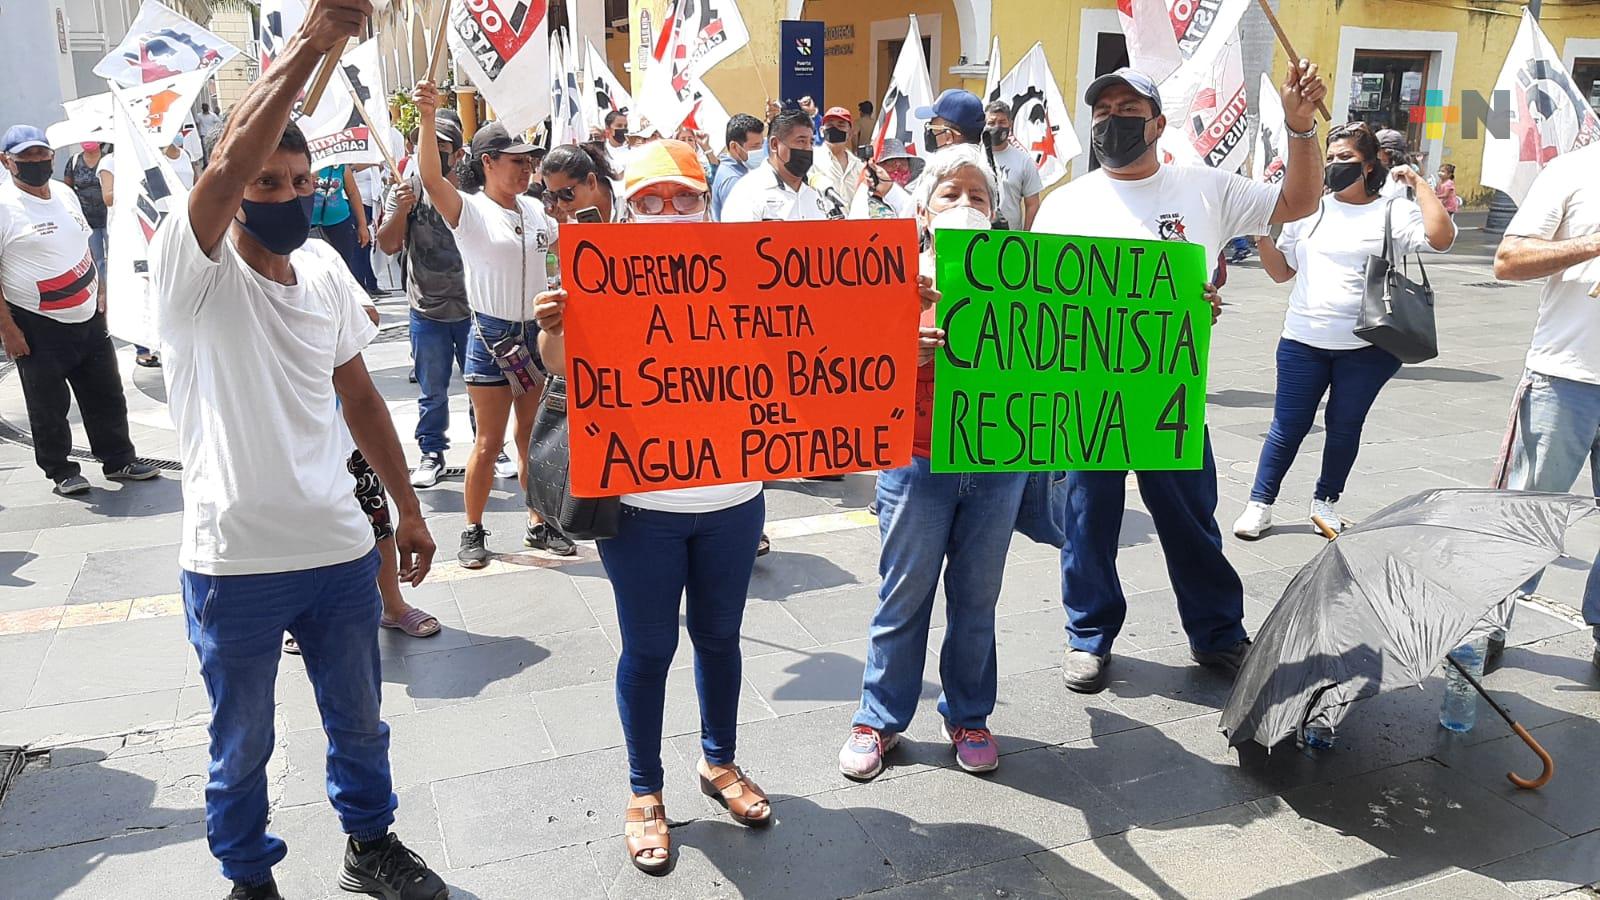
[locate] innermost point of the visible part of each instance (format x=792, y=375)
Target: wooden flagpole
x=1294, y=58
x=436, y=60
x=374, y=136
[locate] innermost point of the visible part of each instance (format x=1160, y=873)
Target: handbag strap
x=1388, y=248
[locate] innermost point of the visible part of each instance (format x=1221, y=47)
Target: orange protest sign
x=713, y=354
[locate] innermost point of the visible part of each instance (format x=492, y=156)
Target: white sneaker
x=1323, y=509
x=427, y=472
x=1255, y=521
x=505, y=466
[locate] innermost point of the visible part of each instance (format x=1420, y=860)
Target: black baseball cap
x=1142, y=84
x=448, y=131
x=493, y=138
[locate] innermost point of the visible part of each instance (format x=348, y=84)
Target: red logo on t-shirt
x=68, y=289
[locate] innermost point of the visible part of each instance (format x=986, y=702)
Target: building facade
x=1382, y=56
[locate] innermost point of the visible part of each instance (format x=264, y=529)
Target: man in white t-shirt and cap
x=1394, y=151
x=1555, y=428
x=264, y=336
x=1014, y=169
x=1132, y=195
x=51, y=323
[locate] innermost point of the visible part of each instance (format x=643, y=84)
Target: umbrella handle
x=1324, y=528
x=1544, y=757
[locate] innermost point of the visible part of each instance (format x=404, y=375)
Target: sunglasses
x=654, y=205
x=552, y=198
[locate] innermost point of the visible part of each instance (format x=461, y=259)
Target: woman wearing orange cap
x=698, y=543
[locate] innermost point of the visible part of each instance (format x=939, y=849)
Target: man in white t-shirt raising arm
x=1132, y=195
x=1555, y=235
x=263, y=344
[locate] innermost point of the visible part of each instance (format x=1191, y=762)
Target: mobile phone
x=589, y=215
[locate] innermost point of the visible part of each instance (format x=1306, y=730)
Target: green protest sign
x=1069, y=353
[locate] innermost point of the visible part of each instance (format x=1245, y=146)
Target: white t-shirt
x=618, y=157
x=504, y=270
x=194, y=144
x=1329, y=250
x=1019, y=180
x=249, y=369
x=1564, y=203
x=761, y=196
x=183, y=167
x=370, y=182
x=1196, y=204
x=696, y=499
x=45, y=265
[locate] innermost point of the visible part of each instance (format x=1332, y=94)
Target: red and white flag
x=161, y=107
x=1200, y=30
x=503, y=46
x=1217, y=124
x=603, y=93
x=277, y=21
x=161, y=43
x=1272, y=141
x=1040, y=119
x=692, y=37
x=147, y=193
x=1549, y=115
x=909, y=88
x=336, y=133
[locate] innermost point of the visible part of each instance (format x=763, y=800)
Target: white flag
x=147, y=193
x=278, y=20
x=991, y=82
x=1201, y=31
x=88, y=118
x=566, y=106
x=1272, y=142
x=604, y=93
x=1217, y=123
x=1152, y=44
x=503, y=46
x=709, y=31
x=909, y=89
x=706, y=113
x=1041, y=121
x=160, y=44
x=161, y=107
x=336, y=132
x=1549, y=115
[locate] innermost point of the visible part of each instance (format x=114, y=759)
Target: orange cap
x=664, y=161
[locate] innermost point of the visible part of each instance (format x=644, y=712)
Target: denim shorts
x=486, y=332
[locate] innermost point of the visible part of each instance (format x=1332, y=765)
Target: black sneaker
x=544, y=536
x=136, y=471
x=474, y=554
x=427, y=472
x=72, y=484
x=267, y=890
x=385, y=868
x=1228, y=660
x=763, y=546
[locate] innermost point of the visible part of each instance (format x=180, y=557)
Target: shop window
x=1384, y=86
x=1586, y=73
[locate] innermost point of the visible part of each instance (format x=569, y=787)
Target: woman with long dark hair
x=579, y=177
x=503, y=236
x=1319, y=354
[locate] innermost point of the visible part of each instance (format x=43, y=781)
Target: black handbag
x=549, y=486
x=1396, y=312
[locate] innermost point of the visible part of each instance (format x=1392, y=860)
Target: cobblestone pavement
x=507, y=752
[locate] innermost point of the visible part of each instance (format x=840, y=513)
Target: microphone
x=830, y=195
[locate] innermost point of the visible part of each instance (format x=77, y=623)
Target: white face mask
x=669, y=219
x=960, y=217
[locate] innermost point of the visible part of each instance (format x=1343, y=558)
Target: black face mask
x=280, y=227
x=35, y=174
x=930, y=140
x=799, y=163
x=834, y=135
x=1338, y=176
x=996, y=137
x=444, y=162
x=620, y=135
x=1119, y=141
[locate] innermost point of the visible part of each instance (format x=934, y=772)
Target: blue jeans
x=960, y=523
x=236, y=625
x=1558, y=430
x=1351, y=380
x=1183, y=506
x=488, y=331
x=437, y=350
x=655, y=561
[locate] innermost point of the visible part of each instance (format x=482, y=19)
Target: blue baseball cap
x=23, y=137
x=1142, y=84
x=960, y=108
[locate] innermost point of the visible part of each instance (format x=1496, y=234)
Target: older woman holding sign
x=698, y=542
x=960, y=523
x=503, y=237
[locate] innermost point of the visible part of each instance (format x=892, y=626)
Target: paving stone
x=831, y=617
x=813, y=848
x=823, y=676
x=1405, y=824
x=21, y=656
x=152, y=531
x=1016, y=878
x=584, y=717
x=1227, y=853
x=111, y=660
x=1548, y=870
x=317, y=843
x=514, y=665
x=568, y=873
x=1164, y=685
x=1458, y=885
x=28, y=581
x=529, y=604
x=165, y=862
x=1570, y=802
x=49, y=725
x=108, y=798
x=122, y=574
x=944, y=820
x=438, y=600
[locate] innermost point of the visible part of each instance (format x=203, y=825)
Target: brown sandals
x=644, y=829
x=738, y=795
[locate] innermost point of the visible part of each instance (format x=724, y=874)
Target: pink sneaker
x=861, y=758
x=975, y=748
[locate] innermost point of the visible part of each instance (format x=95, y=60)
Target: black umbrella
x=1383, y=605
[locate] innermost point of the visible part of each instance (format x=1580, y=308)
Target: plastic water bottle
x=1316, y=737
x=1460, y=710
